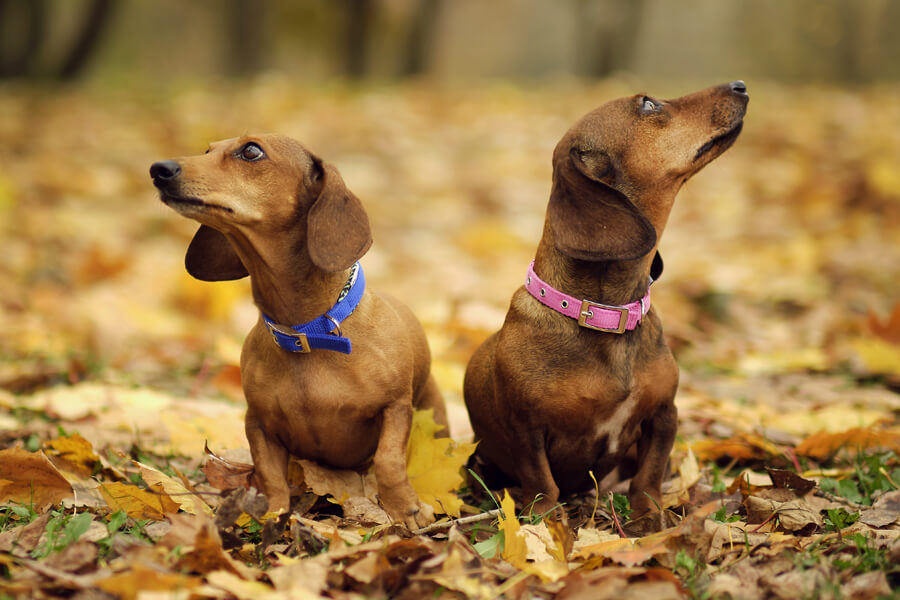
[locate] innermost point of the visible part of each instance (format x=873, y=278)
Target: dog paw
x=414, y=516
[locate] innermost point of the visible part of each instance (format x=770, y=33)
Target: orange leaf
x=822, y=445
x=889, y=330
x=30, y=478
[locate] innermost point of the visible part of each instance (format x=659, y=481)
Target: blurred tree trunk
x=22, y=33
x=245, y=36
x=421, y=33
x=606, y=35
x=89, y=35
x=357, y=30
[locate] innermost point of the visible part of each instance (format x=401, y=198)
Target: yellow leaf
x=877, y=355
x=129, y=584
x=189, y=501
x=76, y=451
x=434, y=464
x=514, y=547
x=136, y=502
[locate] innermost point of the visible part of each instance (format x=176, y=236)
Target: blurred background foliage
x=781, y=258
x=844, y=41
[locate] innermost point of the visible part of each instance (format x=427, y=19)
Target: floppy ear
x=589, y=219
x=337, y=227
x=210, y=257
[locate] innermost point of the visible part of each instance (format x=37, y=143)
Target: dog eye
x=251, y=152
x=649, y=105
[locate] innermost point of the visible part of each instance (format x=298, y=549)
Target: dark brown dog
x=550, y=400
x=271, y=209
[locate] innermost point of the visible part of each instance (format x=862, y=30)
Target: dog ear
x=210, y=257
x=337, y=226
x=589, y=219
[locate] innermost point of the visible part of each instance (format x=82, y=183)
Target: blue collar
x=323, y=332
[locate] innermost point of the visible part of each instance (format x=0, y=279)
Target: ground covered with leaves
x=122, y=453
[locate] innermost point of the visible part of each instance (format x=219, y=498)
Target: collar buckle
x=586, y=313
x=300, y=339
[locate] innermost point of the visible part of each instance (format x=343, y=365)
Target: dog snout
x=164, y=171
x=738, y=87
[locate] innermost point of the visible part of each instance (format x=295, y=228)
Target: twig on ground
x=461, y=521
x=612, y=509
x=839, y=500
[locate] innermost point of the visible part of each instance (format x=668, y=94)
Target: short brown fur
x=550, y=401
x=288, y=221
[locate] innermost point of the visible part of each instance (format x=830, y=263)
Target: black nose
x=738, y=87
x=164, y=171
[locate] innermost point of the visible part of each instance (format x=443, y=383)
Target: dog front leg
x=394, y=489
x=270, y=460
x=535, y=476
x=655, y=444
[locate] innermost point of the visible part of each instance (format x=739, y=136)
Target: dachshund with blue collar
x=332, y=371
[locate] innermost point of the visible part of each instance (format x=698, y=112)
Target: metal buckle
x=300, y=339
x=586, y=313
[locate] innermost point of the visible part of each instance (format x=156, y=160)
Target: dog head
x=617, y=170
x=257, y=188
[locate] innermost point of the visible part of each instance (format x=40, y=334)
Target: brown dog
x=550, y=397
x=271, y=209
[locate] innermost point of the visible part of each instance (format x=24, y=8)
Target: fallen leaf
x=76, y=451
x=340, y=484
x=139, y=578
x=822, y=445
x=434, y=465
x=24, y=539
x=224, y=474
x=889, y=329
x=514, y=548
x=138, y=503
x=677, y=491
x=187, y=499
x=30, y=479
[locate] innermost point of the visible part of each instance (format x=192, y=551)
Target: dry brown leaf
x=299, y=578
x=791, y=481
x=74, y=557
x=24, y=539
x=202, y=553
x=338, y=483
x=224, y=474
x=30, y=479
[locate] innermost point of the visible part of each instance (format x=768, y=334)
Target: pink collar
x=593, y=315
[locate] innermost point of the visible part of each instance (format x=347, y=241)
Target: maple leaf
x=434, y=465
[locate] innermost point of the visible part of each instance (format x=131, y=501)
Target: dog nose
x=738, y=86
x=164, y=171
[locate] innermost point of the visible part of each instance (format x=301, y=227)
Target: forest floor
x=120, y=403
